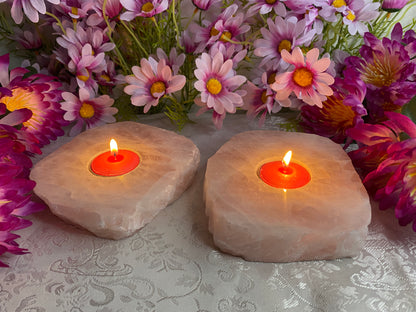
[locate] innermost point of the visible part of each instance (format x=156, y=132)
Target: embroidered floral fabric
x=172, y=265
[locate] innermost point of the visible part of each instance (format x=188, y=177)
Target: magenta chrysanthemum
x=15, y=186
x=308, y=79
x=387, y=67
x=39, y=93
x=340, y=111
x=392, y=180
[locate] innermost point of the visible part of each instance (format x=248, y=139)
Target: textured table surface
x=171, y=264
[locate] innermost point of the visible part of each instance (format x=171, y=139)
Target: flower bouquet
x=346, y=67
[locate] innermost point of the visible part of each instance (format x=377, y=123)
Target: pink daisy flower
x=87, y=111
x=265, y=7
x=84, y=64
x=31, y=8
x=144, y=8
x=217, y=83
x=282, y=34
x=205, y=4
x=174, y=61
x=151, y=81
x=358, y=13
x=78, y=38
x=112, y=10
x=308, y=80
x=227, y=26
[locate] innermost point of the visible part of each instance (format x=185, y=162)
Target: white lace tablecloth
x=172, y=265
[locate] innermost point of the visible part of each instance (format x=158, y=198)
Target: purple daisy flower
x=217, y=83
x=151, y=81
x=144, y=8
x=87, y=110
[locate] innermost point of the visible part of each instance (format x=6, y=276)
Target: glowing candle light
x=115, y=162
x=284, y=174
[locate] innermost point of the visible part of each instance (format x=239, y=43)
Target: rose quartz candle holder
x=116, y=206
x=325, y=219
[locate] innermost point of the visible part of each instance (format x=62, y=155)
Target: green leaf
x=409, y=109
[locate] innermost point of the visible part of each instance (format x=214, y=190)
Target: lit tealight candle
x=115, y=162
x=284, y=174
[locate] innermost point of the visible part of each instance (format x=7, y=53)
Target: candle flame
x=286, y=159
x=113, y=147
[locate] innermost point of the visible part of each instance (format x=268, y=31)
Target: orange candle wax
x=115, y=162
x=284, y=174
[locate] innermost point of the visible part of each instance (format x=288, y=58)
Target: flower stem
x=134, y=37
x=57, y=21
x=176, y=24
x=110, y=29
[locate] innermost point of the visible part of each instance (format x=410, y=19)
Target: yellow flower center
x=285, y=45
x=264, y=96
x=350, y=16
x=147, y=7
x=214, y=32
x=338, y=3
x=105, y=77
x=74, y=10
x=157, y=88
x=86, y=111
x=22, y=98
x=340, y=116
x=214, y=86
x=383, y=71
x=84, y=77
x=272, y=78
x=303, y=77
x=225, y=36
x=271, y=1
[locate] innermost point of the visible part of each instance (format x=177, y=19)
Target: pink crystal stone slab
x=116, y=207
x=325, y=219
